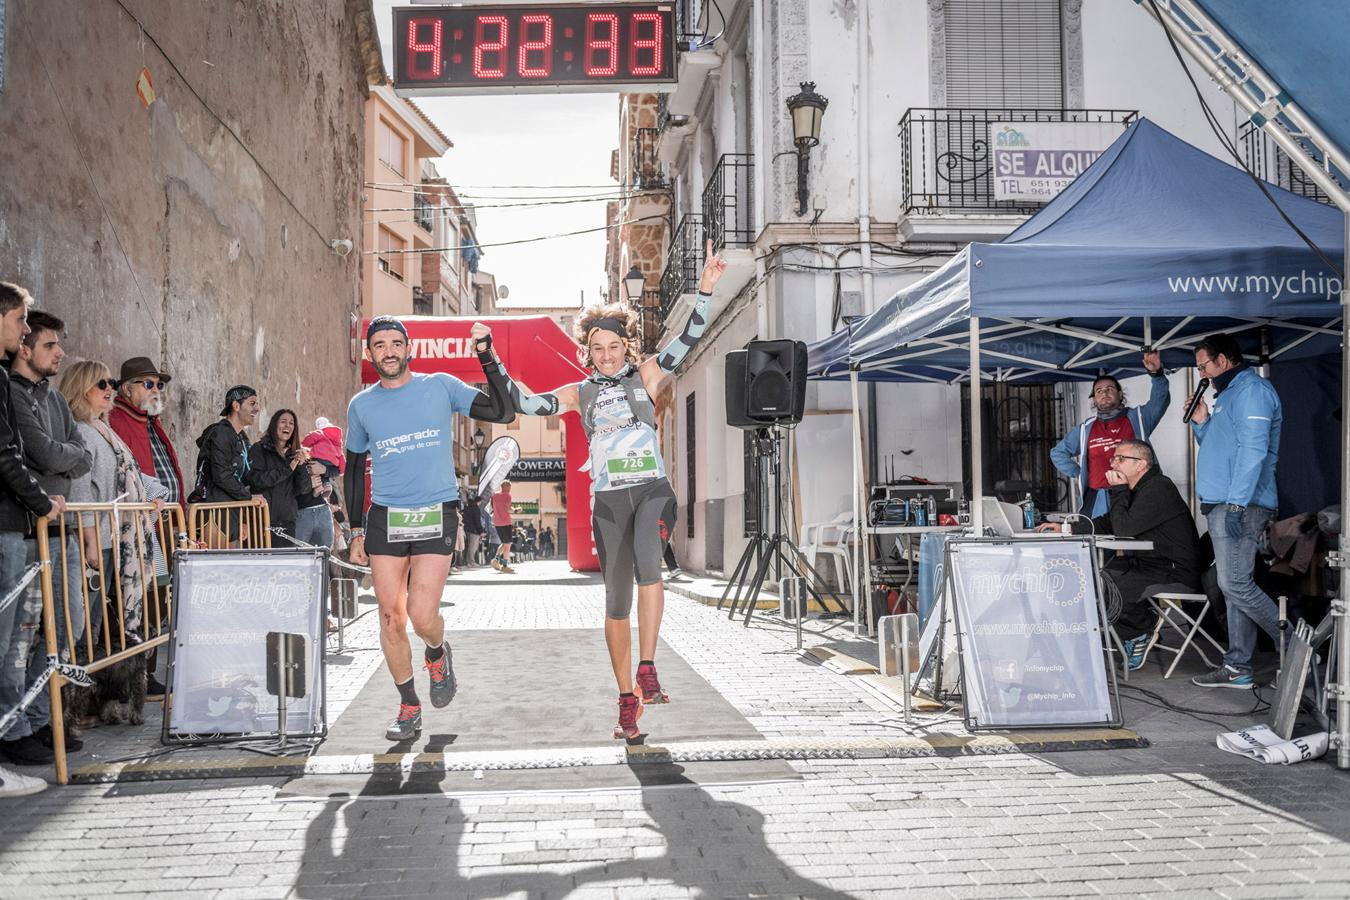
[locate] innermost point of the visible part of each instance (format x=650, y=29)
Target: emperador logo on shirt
x=404, y=443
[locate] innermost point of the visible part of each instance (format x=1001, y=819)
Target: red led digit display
x=602, y=45
x=565, y=46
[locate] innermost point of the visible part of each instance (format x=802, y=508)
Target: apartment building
x=898, y=179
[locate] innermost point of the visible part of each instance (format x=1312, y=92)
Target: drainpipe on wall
x=759, y=139
x=864, y=183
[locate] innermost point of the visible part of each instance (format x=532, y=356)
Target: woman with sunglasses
x=89, y=389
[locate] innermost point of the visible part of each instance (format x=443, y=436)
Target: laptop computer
x=1003, y=519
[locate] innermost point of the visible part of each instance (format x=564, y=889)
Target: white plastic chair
x=833, y=539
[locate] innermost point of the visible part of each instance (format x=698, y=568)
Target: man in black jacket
x=21, y=499
x=223, y=462
x=55, y=454
x=1145, y=504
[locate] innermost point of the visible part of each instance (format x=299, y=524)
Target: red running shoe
x=649, y=686
x=630, y=708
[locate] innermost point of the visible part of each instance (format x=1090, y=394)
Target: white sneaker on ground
x=12, y=784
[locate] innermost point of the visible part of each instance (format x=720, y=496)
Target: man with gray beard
x=1084, y=454
x=135, y=418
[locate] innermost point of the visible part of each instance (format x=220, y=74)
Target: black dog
x=118, y=694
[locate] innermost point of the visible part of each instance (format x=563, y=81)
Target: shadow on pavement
x=1182, y=747
x=373, y=844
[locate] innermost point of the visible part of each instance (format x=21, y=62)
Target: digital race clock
x=554, y=47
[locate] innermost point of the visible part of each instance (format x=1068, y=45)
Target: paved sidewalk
x=1176, y=817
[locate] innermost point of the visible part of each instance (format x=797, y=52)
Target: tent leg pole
x=859, y=505
x=1342, y=632
x=976, y=433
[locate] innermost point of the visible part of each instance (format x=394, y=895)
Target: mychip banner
x=1034, y=161
x=225, y=603
x=1029, y=626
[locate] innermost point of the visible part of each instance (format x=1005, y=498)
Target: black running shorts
x=377, y=536
x=505, y=533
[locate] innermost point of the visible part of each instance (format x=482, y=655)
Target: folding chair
x=1169, y=603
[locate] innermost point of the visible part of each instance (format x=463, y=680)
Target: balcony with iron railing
x=422, y=212
x=680, y=276
x=645, y=171
x=947, y=169
x=1270, y=163
x=728, y=202
x=650, y=320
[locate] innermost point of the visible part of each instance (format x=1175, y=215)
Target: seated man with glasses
x=1145, y=504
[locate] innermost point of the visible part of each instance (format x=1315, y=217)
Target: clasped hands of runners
x=713, y=269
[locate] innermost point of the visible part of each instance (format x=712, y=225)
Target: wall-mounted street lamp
x=807, y=108
x=478, y=440
x=633, y=284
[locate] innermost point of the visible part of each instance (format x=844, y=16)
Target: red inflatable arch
x=541, y=356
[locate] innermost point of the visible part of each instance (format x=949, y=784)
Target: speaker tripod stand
x=766, y=550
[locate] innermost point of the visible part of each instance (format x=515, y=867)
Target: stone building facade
x=174, y=180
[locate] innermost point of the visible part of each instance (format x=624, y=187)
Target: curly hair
x=581, y=330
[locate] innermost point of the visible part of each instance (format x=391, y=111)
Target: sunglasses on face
x=151, y=384
x=104, y=384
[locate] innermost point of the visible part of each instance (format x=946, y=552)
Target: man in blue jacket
x=1235, y=481
x=1085, y=452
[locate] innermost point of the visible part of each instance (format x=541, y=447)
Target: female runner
x=634, y=504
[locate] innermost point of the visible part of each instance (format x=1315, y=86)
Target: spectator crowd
x=74, y=433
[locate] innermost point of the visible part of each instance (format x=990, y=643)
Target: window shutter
x=1004, y=53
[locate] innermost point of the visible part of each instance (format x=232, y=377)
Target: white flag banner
x=1258, y=742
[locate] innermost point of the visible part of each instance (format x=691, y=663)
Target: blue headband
x=385, y=323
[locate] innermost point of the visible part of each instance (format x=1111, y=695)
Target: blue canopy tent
x=1157, y=244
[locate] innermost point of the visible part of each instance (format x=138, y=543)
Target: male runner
x=405, y=423
x=633, y=502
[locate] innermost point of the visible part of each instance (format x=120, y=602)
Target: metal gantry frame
x=1271, y=109
x=1275, y=112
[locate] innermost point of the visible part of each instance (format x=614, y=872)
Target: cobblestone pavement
x=1175, y=818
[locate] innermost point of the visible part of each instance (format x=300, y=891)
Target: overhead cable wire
x=533, y=240
x=435, y=207
x=505, y=187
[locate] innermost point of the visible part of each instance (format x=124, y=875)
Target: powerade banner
x=1034, y=161
x=225, y=603
x=546, y=468
x=1027, y=618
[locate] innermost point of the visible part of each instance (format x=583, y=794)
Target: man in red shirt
x=1085, y=452
x=135, y=419
x=501, y=520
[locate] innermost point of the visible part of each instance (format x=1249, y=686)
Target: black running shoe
x=442, y=673
x=407, y=726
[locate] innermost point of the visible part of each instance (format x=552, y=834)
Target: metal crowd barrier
x=120, y=636
x=238, y=523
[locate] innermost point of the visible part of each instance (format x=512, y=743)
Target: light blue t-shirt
x=408, y=432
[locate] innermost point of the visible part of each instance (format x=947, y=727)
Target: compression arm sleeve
x=674, y=353
x=354, y=488
x=495, y=405
x=522, y=401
